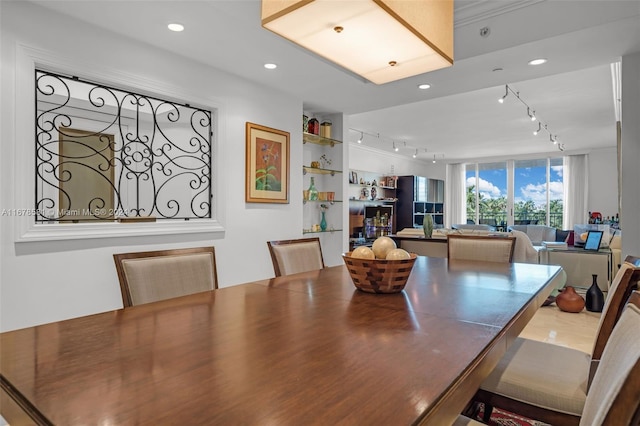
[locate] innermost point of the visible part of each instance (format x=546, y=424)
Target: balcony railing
x=522, y=218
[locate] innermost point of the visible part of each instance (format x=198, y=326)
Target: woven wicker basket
x=379, y=275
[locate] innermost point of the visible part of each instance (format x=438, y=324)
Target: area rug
x=504, y=418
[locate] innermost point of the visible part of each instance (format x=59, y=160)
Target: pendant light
x=380, y=40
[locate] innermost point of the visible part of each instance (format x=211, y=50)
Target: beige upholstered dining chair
x=157, y=275
x=293, y=256
x=480, y=247
x=549, y=382
x=613, y=396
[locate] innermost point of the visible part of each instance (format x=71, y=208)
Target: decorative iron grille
x=104, y=153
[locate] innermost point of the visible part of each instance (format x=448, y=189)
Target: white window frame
x=26, y=229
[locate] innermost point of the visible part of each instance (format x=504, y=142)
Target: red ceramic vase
x=570, y=301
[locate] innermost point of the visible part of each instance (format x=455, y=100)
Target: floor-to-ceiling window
x=538, y=192
x=536, y=197
x=487, y=193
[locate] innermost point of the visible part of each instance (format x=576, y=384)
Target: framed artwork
x=267, y=168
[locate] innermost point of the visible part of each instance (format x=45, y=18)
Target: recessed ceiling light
x=539, y=61
x=424, y=86
x=270, y=66
x=176, y=27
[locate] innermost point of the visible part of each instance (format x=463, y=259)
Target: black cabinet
x=417, y=197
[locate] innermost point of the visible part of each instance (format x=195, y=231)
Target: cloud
x=558, y=170
x=538, y=192
x=486, y=188
x=526, y=172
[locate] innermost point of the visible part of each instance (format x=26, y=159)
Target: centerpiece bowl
x=379, y=275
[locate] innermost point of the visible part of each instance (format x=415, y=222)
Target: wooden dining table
x=303, y=349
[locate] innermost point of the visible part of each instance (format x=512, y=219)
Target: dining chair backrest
x=480, y=247
x=625, y=281
x=293, y=256
x=614, y=396
x=163, y=274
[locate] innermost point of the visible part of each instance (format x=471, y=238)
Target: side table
x=580, y=264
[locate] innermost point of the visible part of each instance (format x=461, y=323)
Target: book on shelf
x=555, y=244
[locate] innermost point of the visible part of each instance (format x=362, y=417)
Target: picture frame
x=267, y=165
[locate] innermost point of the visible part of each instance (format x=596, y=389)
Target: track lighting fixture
x=501, y=100
x=434, y=159
x=395, y=145
x=535, y=132
x=531, y=113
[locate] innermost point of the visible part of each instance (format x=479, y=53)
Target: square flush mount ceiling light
x=381, y=40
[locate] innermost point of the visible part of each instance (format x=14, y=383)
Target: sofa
x=524, y=251
x=536, y=233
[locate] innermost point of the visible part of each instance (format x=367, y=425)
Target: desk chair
x=613, y=396
x=157, y=275
x=549, y=382
x=293, y=256
x=480, y=247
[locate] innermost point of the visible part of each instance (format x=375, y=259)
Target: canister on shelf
x=314, y=126
x=325, y=129
x=305, y=123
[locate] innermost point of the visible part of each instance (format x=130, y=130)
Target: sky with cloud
x=530, y=183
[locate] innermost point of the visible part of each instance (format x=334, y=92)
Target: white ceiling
x=459, y=117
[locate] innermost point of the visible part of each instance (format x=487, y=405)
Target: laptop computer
x=593, y=240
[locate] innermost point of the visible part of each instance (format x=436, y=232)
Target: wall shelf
x=362, y=185
x=316, y=171
x=326, y=155
x=368, y=192
x=368, y=200
x=321, y=201
x=309, y=231
x=318, y=140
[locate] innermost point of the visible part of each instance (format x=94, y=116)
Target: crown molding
x=475, y=11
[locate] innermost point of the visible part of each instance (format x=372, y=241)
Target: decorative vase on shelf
x=569, y=301
x=323, y=222
x=427, y=226
x=595, y=298
x=313, y=192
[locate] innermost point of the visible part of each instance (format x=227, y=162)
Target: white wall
x=372, y=160
x=630, y=154
x=603, y=181
x=51, y=281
